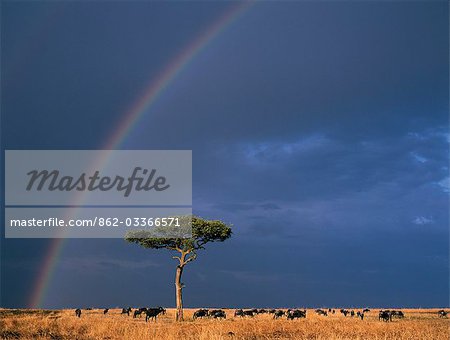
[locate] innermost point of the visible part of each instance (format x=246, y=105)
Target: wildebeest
x=442, y=313
x=360, y=315
x=201, y=313
x=352, y=313
x=295, y=314
x=272, y=311
x=344, y=311
x=262, y=311
x=397, y=313
x=278, y=313
x=238, y=312
x=385, y=315
x=321, y=312
x=89, y=308
x=152, y=313
x=78, y=312
x=366, y=310
x=139, y=311
x=249, y=312
x=126, y=311
x=106, y=310
x=218, y=314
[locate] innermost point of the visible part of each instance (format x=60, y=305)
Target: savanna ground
x=62, y=324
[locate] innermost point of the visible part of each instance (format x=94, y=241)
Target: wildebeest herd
x=385, y=315
x=277, y=313
x=150, y=313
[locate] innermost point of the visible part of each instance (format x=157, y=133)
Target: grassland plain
x=93, y=324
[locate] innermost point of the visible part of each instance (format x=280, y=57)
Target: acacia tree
x=203, y=232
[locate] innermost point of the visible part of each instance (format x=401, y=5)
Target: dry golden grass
x=62, y=324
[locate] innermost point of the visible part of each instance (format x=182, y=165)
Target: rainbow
x=151, y=94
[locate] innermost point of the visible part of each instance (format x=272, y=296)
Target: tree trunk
x=179, y=293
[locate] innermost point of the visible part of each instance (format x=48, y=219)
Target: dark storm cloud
x=320, y=167
x=356, y=76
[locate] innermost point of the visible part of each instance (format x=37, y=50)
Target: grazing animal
x=126, y=311
x=344, y=311
x=321, y=312
x=238, y=312
x=397, y=313
x=385, y=315
x=296, y=314
x=152, y=313
x=249, y=312
x=201, y=313
x=278, y=313
x=89, y=308
x=442, y=313
x=352, y=313
x=366, y=310
x=272, y=311
x=360, y=315
x=262, y=311
x=106, y=310
x=78, y=312
x=218, y=314
x=139, y=312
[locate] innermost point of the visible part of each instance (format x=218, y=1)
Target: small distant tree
x=203, y=232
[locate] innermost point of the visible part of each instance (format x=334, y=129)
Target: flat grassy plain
x=62, y=324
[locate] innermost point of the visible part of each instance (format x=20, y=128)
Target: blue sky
x=319, y=130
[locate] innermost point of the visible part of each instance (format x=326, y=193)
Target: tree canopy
x=203, y=232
